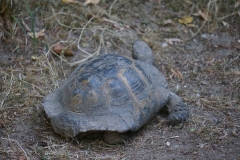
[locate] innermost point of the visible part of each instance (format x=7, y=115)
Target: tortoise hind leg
x=178, y=111
x=111, y=137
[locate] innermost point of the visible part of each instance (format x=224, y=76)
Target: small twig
x=55, y=16
x=11, y=82
x=49, y=64
x=91, y=55
x=197, y=32
x=110, y=8
x=18, y=145
x=81, y=37
x=220, y=19
x=26, y=26
x=235, y=59
x=62, y=13
x=114, y=23
x=237, y=125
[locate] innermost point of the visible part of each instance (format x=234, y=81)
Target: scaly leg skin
x=111, y=137
x=178, y=111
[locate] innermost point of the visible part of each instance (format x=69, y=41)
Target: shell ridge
x=132, y=94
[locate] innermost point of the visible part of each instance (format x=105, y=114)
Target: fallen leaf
x=210, y=61
x=22, y=158
x=169, y=21
x=236, y=46
x=204, y=82
x=93, y=2
x=108, y=44
x=204, y=15
x=70, y=1
x=185, y=20
x=1, y=124
x=225, y=24
x=34, y=58
x=172, y=40
x=237, y=4
x=177, y=73
x=159, y=1
x=191, y=25
x=85, y=44
x=189, y=2
x=37, y=34
x=234, y=132
x=236, y=72
x=192, y=129
x=59, y=48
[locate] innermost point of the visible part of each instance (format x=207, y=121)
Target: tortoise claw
x=178, y=117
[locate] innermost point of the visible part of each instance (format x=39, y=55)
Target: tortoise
x=112, y=94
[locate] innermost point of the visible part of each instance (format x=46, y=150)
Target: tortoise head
x=141, y=51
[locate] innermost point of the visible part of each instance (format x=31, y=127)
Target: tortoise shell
x=114, y=94
x=107, y=93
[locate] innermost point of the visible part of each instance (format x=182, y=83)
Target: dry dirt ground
x=203, y=68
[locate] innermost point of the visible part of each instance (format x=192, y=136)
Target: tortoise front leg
x=178, y=111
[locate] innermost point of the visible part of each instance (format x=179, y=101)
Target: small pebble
x=164, y=45
x=168, y=143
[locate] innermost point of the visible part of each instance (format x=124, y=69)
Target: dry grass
x=5, y=19
x=35, y=71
